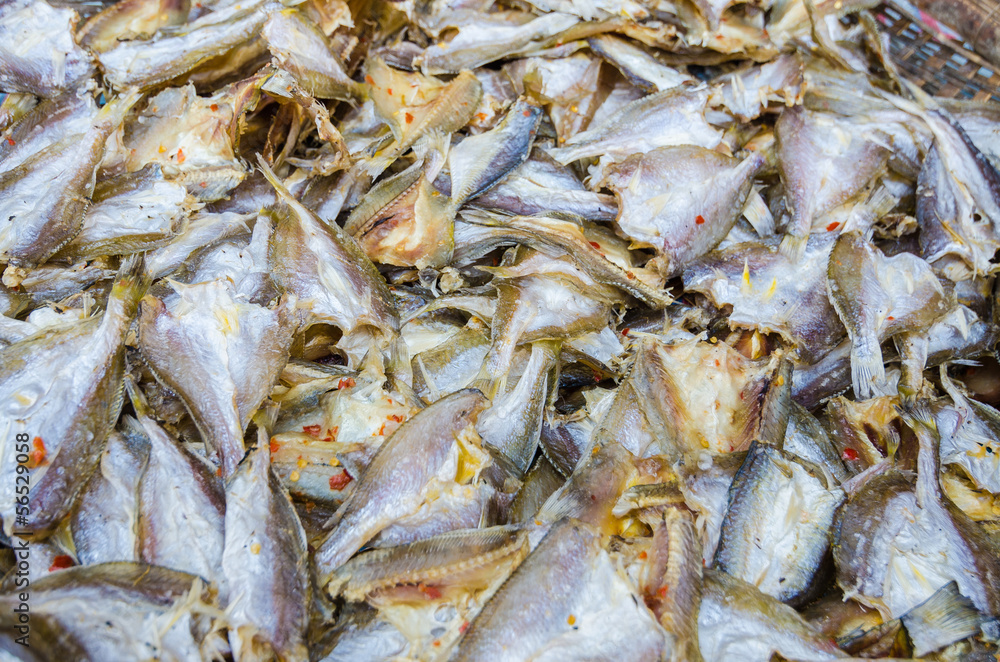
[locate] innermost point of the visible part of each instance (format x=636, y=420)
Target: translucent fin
x=758, y=214
x=793, y=247
x=867, y=369
x=942, y=619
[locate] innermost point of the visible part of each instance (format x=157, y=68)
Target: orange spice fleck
x=849, y=454
x=10, y=141
x=631, y=276
x=833, y=226
x=312, y=430
x=409, y=118
x=180, y=155
x=369, y=80
x=214, y=107
x=699, y=220
x=389, y=90
x=37, y=456
x=527, y=113
x=643, y=555
x=60, y=562
x=347, y=382
x=275, y=447
x=595, y=245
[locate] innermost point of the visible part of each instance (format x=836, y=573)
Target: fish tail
x=136, y=397
x=867, y=370
x=377, y=164
x=272, y=179
x=131, y=282
x=793, y=246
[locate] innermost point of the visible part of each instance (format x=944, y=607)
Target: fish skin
x=540, y=184
x=676, y=566
x=104, y=521
x=806, y=437
x=47, y=123
x=958, y=203
x=488, y=40
x=877, y=562
x=47, y=218
x=680, y=200
x=636, y=64
x=326, y=269
x=876, y=297
x=557, y=237
x=14, y=106
x=404, y=220
x=201, y=231
x=130, y=214
x=181, y=499
x=819, y=172
x=668, y=118
x=480, y=162
x=216, y=379
x=512, y=425
x=771, y=293
x=388, y=488
x=969, y=430
x=451, y=107
x=39, y=53
x=302, y=49
x=115, y=611
x=546, y=609
x=130, y=19
x=738, y=622
x=777, y=527
x=439, y=560
x=72, y=416
x=265, y=562
x=146, y=64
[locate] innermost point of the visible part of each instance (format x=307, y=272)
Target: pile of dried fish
x=475, y=330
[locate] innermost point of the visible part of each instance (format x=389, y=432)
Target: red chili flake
x=890, y=318
x=203, y=184
x=699, y=220
x=663, y=591
x=833, y=226
x=218, y=472
x=347, y=382
x=409, y=118
x=61, y=562
x=369, y=80
x=180, y=155
x=214, y=107
x=431, y=592
x=381, y=430
x=464, y=627
x=389, y=90
x=275, y=447
x=332, y=433
x=481, y=117
x=312, y=430
x=437, y=642
x=643, y=555
x=10, y=141
x=595, y=245
x=527, y=113
x=396, y=417
x=625, y=331
x=340, y=481
x=38, y=455
x=631, y=276
x=849, y=454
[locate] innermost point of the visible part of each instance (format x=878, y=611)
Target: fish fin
x=138, y=400
x=758, y=214
x=272, y=179
x=377, y=163
x=942, y=619
x=793, y=247
x=867, y=368
x=132, y=280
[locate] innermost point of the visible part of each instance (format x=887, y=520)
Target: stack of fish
x=492, y=330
